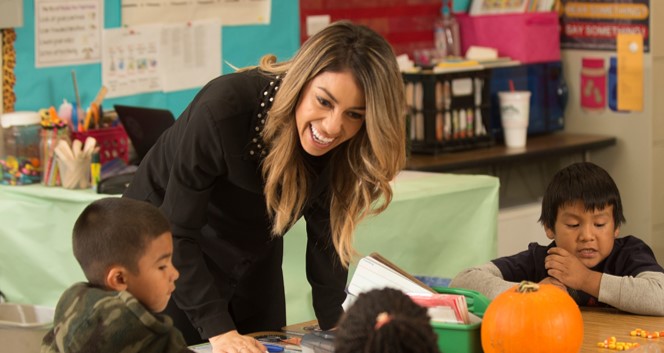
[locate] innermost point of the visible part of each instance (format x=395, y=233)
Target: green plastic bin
x=458, y=338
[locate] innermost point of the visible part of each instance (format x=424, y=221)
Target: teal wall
x=241, y=45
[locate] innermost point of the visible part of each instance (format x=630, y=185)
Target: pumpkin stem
x=526, y=286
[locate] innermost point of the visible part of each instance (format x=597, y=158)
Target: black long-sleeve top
x=204, y=172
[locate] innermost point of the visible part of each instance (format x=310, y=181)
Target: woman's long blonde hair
x=362, y=167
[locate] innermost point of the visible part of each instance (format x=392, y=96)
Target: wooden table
x=600, y=324
x=537, y=148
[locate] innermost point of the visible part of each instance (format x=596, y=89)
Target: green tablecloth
x=436, y=225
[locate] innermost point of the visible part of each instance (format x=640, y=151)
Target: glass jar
x=20, y=161
x=50, y=137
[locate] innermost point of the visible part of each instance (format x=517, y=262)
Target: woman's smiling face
x=330, y=111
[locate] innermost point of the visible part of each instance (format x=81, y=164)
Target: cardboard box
x=22, y=327
x=528, y=37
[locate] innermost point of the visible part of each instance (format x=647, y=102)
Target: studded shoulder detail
x=256, y=149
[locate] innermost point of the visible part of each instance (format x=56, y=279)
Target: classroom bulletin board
x=38, y=88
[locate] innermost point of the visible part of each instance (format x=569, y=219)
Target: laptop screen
x=143, y=126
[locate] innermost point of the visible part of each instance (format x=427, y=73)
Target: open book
x=376, y=272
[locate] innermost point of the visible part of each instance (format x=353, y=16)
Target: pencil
x=78, y=98
x=79, y=109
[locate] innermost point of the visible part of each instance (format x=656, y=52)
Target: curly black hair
x=405, y=328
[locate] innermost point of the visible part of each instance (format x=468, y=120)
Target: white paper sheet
x=131, y=60
x=230, y=12
x=68, y=32
x=11, y=13
x=160, y=57
x=191, y=54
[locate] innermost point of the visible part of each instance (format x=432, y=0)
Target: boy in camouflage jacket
x=124, y=247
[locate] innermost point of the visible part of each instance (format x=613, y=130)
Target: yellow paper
x=630, y=71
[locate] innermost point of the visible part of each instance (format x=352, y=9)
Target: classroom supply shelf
x=448, y=111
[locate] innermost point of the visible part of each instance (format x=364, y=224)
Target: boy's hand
x=233, y=342
x=555, y=282
x=571, y=272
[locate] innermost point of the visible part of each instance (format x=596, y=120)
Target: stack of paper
x=451, y=308
x=376, y=272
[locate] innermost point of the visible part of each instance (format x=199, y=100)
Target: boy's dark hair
x=405, y=327
x=115, y=231
x=585, y=182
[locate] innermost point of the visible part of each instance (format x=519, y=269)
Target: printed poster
x=167, y=58
x=68, y=32
x=594, y=24
x=131, y=60
x=630, y=72
x=191, y=54
x=229, y=12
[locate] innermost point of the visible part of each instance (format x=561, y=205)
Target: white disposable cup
x=75, y=174
x=514, y=113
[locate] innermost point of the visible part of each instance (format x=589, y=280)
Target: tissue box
x=528, y=37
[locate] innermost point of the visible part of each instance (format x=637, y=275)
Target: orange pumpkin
x=531, y=318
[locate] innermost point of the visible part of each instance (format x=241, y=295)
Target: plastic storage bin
x=448, y=111
x=456, y=338
x=19, y=158
x=546, y=83
x=22, y=327
x=433, y=281
x=528, y=37
x=113, y=142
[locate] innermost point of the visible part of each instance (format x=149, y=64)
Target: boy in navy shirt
x=582, y=214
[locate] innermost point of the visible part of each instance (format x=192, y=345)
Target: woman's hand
x=233, y=342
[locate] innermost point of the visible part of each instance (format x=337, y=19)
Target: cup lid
x=514, y=95
x=19, y=119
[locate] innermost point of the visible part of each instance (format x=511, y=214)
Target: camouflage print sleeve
x=89, y=319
